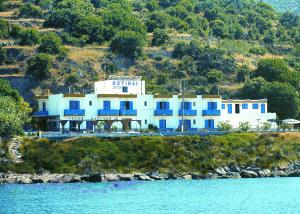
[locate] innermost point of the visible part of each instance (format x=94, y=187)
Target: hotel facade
x=121, y=102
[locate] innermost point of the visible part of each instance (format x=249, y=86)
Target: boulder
x=187, y=177
x=38, y=179
x=143, y=177
x=248, y=174
x=234, y=175
x=211, y=176
x=295, y=173
x=197, y=175
x=220, y=171
x=126, y=177
x=92, y=178
x=24, y=180
x=158, y=176
x=110, y=177
x=235, y=168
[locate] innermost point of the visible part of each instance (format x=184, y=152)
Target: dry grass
x=290, y=136
x=85, y=54
x=7, y=14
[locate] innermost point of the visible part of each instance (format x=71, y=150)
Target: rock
x=264, y=173
x=235, y=168
x=234, y=175
x=187, y=177
x=110, y=177
x=248, y=174
x=126, y=177
x=158, y=176
x=211, y=176
x=295, y=173
x=92, y=178
x=24, y=180
x=38, y=180
x=143, y=177
x=220, y=171
x=197, y=176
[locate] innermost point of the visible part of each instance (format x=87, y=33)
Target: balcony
x=74, y=112
x=108, y=112
x=41, y=113
x=166, y=129
x=187, y=112
x=128, y=112
x=165, y=112
x=211, y=112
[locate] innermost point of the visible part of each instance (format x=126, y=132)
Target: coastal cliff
x=236, y=155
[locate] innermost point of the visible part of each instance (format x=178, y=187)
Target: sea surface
x=270, y=195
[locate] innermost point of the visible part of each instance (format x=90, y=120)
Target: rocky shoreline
x=225, y=172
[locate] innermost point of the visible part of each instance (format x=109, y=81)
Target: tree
x=224, y=126
x=50, y=44
x=289, y=20
x=39, y=66
x=181, y=49
x=1, y=4
x=4, y=29
x=244, y=126
x=90, y=26
x=29, y=37
x=160, y=37
x=219, y=29
x=157, y=20
x=30, y=11
x=2, y=55
x=243, y=73
x=214, y=76
x=273, y=70
x=266, y=126
x=128, y=43
x=152, y=5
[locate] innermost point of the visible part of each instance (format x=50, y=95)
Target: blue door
x=263, y=108
x=229, y=108
x=89, y=125
x=209, y=124
x=162, y=124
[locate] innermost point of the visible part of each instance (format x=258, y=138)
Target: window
x=244, y=106
x=187, y=105
x=44, y=106
x=209, y=124
x=194, y=103
x=194, y=122
x=91, y=103
x=106, y=104
x=126, y=105
x=229, y=107
x=186, y=124
x=162, y=105
x=125, y=89
x=254, y=106
x=237, y=108
x=223, y=106
x=74, y=104
x=146, y=122
x=145, y=103
x=212, y=105
x=263, y=108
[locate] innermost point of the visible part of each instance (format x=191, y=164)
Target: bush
x=30, y=11
x=39, y=66
x=215, y=76
x=266, y=126
x=2, y=55
x=4, y=29
x=50, y=44
x=157, y=20
x=29, y=37
x=258, y=51
x=224, y=126
x=244, y=126
x=181, y=49
x=128, y=43
x=160, y=37
x=243, y=73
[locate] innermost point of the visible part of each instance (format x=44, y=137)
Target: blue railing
x=41, y=113
x=128, y=112
x=188, y=112
x=166, y=112
x=108, y=112
x=211, y=113
x=74, y=112
x=166, y=129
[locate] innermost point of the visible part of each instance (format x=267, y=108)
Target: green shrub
x=181, y=49
x=224, y=126
x=51, y=43
x=30, y=11
x=39, y=66
x=215, y=76
x=258, y=51
x=4, y=29
x=128, y=43
x=2, y=55
x=160, y=37
x=29, y=37
x=244, y=126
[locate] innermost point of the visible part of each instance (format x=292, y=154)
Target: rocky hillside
x=52, y=46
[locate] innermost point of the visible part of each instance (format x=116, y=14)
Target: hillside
x=58, y=45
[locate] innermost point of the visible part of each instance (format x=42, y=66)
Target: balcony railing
x=41, y=113
x=108, y=112
x=187, y=112
x=128, y=112
x=166, y=129
x=211, y=113
x=166, y=112
x=74, y=112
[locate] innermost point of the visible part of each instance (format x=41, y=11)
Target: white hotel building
x=122, y=102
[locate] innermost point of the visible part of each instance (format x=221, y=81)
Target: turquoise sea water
x=272, y=195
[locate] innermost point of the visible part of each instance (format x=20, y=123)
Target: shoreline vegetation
x=89, y=159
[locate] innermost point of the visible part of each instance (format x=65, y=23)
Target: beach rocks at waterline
x=222, y=172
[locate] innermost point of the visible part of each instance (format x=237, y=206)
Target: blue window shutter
x=212, y=124
x=229, y=108
x=71, y=104
x=77, y=105
x=215, y=105
x=206, y=124
x=180, y=123
x=122, y=105
x=263, y=108
x=157, y=105
x=223, y=106
x=189, y=105
x=245, y=106
x=131, y=105
x=167, y=105
x=188, y=124
x=209, y=105
x=254, y=106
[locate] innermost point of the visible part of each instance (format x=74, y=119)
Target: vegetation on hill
x=285, y=5
x=241, y=49
x=164, y=154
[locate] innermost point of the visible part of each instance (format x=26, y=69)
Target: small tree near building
x=244, y=126
x=224, y=126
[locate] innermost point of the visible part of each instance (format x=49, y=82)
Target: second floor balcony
x=108, y=112
x=187, y=112
x=41, y=113
x=128, y=112
x=163, y=112
x=213, y=112
x=74, y=112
